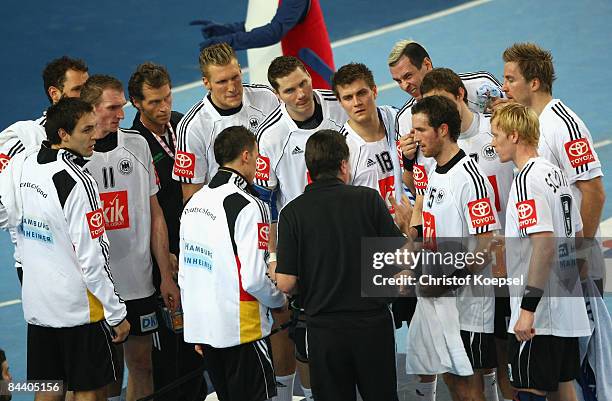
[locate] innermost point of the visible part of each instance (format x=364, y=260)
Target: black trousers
x=344, y=358
x=176, y=359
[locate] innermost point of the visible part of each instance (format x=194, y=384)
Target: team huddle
x=239, y=215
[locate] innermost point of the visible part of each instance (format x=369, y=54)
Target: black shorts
x=83, y=357
x=142, y=315
x=297, y=334
x=502, y=317
x=480, y=349
x=242, y=372
x=543, y=362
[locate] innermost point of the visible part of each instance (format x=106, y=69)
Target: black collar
x=313, y=121
x=47, y=154
x=106, y=144
x=226, y=174
x=451, y=163
x=324, y=183
x=225, y=113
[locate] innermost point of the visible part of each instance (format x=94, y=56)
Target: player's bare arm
x=159, y=247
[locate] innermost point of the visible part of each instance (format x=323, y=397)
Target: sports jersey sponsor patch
x=527, y=213
x=95, y=221
x=481, y=212
x=399, y=153
x=116, y=215
x=579, y=152
x=263, y=235
x=37, y=230
x=148, y=322
x=263, y=168
x=429, y=231
x=387, y=190
x=184, y=164
x=197, y=255
x=4, y=161
x=420, y=176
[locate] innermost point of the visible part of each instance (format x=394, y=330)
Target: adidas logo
x=297, y=151
x=370, y=163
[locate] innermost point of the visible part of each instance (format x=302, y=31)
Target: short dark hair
x=349, y=73
x=65, y=114
x=443, y=79
x=2, y=356
x=440, y=110
x=325, y=150
x=231, y=142
x=282, y=66
x=534, y=62
x=413, y=50
x=154, y=75
x=95, y=86
x=54, y=73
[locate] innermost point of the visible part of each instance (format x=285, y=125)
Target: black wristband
x=531, y=298
x=408, y=163
x=419, y=230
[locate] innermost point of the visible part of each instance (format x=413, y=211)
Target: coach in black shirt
x=350, y=338
x=150, y=91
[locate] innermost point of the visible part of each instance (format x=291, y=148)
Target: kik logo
x=116, y=212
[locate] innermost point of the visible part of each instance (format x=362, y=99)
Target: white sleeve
x=252, y=233
x=265, y=176
x=190, y=163
x=542, y=218
x=572, y=147
x=478, y=203
x=86, y=224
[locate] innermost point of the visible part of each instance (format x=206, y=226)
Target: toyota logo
x=183, y=160
x=578, y=148
x=264, y=232
x=4, y=162
x=262, y=165
x=96, y=219
x=481, y=209
x=418, y=173
x=524, y=211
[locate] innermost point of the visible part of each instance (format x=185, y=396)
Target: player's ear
x=514, y=136
x=63, y=134
x=54, y=93
x=206, y=83
x=427, y=63
x=535, y=84
x=375, y=90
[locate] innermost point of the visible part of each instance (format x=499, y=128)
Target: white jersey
x=281, y=165
x=195, y=162
x=55, y=206
x=476, y=143
x=225, y=293
x=376, y=164
x=15, y=139
x=126, y=178
x=566, y=142
x=541, y=201
x=474, y=82
x=458, y=203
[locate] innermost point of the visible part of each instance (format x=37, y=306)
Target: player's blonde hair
x=522, y=119
x=534, y=62
x=409, y=48
x=220, y=54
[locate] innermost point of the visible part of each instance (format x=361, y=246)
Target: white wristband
x=272, y=257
